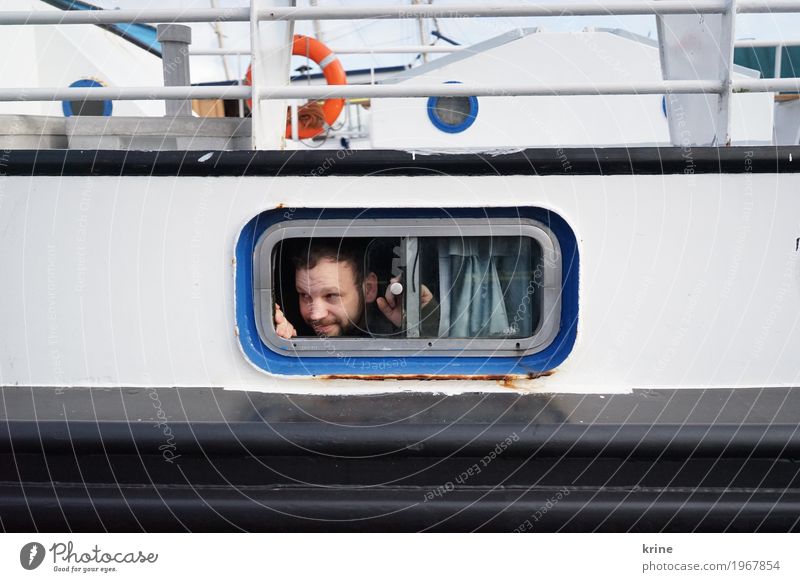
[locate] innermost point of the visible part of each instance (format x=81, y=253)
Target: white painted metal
x=481, y=90
x=295, y=120
x=19, y=17
x=767, y=6
x=686, y=280
x=725, y=55
x=787, y=123
x=753, y=43
x=22, y=94
x=55, y=56
x=123, y=93
x=270, y=62
x=602, y=62
x=691, y=47
x=766, y=85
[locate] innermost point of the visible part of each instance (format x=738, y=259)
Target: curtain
x=483, y=283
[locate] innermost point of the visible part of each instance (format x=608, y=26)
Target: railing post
x=175, y=40
x=778, y=60
x=698, y=47
x=727, y=37
x=270, y=60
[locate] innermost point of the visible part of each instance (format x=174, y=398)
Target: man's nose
x=317, y=309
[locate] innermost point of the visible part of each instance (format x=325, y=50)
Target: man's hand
x=392, y=305
x=425, y=296
x=283, y=328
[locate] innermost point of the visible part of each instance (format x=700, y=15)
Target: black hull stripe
x=320, y=163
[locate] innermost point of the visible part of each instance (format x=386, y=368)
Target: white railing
x=724, y=87
x=381, y=50
x=394, y=91
x=543, y=9
x=427, y=48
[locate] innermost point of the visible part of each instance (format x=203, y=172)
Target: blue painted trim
x=264, y=358
x=66, y=106
x=664, y=106
x=447, y=128
x=141, y=35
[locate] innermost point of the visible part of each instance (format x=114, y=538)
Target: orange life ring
x=305, y=46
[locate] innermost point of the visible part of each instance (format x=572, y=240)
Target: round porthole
x=452, y=114
x=87, y=108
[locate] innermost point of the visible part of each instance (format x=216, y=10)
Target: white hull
x=686, y=281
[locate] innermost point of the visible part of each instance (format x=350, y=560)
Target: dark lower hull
x=135, y=459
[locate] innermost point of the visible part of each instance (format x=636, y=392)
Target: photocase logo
x=31, y=555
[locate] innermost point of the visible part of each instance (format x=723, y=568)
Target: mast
x=422, y=34
x=316, y=24
x=220, y=41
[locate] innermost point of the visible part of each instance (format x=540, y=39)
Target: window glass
x=452, y=114
x=394, y=288
x=453, y=110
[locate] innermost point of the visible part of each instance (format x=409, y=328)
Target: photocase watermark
x=529, y=524
x=549, y=261
x=31, y=555
x=169, y=447
x=65, y=558
x=474, y=469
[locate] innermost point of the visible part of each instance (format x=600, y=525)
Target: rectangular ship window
x=428, y=288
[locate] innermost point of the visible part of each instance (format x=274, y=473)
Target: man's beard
x=351, y=327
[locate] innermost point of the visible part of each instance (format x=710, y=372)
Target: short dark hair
x=306, y=253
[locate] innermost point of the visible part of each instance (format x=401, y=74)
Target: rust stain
x=505, y=380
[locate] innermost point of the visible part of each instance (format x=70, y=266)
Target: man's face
x=330, y=300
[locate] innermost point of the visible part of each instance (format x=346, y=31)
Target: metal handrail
x=384, y=50
x=543, y=9
x=395, y=91
x=752, y=43
x=417, y=49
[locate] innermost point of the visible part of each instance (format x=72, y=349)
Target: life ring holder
x=311, y=48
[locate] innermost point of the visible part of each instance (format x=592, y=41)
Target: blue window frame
x=330, y=358
x=452, y=114
x=96, y=108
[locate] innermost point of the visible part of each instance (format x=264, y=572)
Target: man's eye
x=304, y=296
x=332, y=296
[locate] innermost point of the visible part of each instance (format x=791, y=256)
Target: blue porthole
x=452, y=114
x=264, y=280
x=87, y=108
